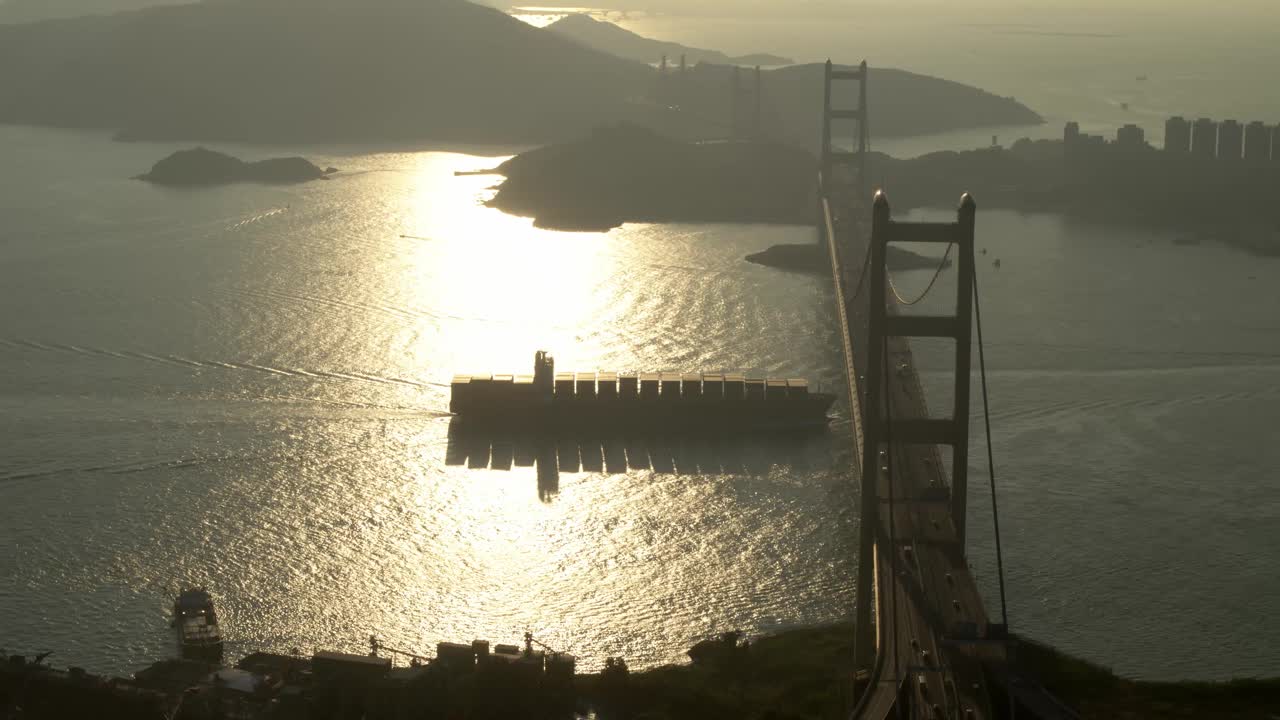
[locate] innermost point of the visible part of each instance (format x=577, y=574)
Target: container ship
x=593, y=399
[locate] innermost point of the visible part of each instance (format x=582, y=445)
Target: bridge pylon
x=746, y=105
x=953, y=431
x=855, y=159
x=883, y=432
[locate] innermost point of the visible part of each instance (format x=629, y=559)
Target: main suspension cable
x=991, y=463
x=936, y=274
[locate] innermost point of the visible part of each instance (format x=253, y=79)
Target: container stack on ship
x=636, y=399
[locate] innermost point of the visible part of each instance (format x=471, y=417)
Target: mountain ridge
x=405, y=72
x=616, y=40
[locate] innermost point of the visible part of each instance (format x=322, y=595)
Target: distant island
x=610, y=38
x=630, y=174
x=626, y=173
x=1196, y=198
x=391, y=71
x=812, y=259
x=201, y=166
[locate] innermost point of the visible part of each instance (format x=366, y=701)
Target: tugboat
x=630, y=399
x=196, y=625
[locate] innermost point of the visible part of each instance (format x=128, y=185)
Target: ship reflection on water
x=712, y=452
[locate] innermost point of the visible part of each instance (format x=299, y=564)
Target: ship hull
x=632, y=400
x=810, y=411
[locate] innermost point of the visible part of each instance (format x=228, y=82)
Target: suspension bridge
x=925, y=646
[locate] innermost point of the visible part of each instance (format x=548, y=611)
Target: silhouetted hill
x=1233, y=203
x=200, y=166
x=20, y=11
x=902, y=103
x=304, y=70
x=402, y=71
x=630, y=174
x=615, y=40
x=813, y=258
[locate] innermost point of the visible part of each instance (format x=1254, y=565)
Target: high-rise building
x=1275, y=145
x=1071, y=133
x=1204, y=138
x=1131, y=137
x=1177, y=135
x=1230, y=140
x=1257, y=142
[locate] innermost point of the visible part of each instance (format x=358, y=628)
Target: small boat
x=196, y=625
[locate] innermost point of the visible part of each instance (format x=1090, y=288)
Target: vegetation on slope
x=1097, y=693
x=802, y=673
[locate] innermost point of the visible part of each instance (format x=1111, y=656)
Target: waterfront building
x=1177, y=135
x=1257, y=142
x=1131, y=137
x=1230, y=140
x=1204, y=138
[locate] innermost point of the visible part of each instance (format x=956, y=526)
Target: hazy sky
x=982, y=10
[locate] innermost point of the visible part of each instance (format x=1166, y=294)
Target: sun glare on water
x=539, y=16
x=506, y=288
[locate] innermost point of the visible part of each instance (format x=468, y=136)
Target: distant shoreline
x=628, y=174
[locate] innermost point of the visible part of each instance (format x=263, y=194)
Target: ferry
x=654, y=399
x=196, y=625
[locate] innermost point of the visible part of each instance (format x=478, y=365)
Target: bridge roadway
x=925, y=594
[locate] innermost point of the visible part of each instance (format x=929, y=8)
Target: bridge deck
x=935, y=590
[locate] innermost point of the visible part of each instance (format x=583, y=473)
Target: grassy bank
x=806, y=673
x=1096, y=692
x=795, y=674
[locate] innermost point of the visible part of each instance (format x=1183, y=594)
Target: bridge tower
x=856, y=158
x=746, y=105
x=881, y=431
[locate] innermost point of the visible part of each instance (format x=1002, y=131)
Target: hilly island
x=404, y=72
x=201, y=166
x=629, y=174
